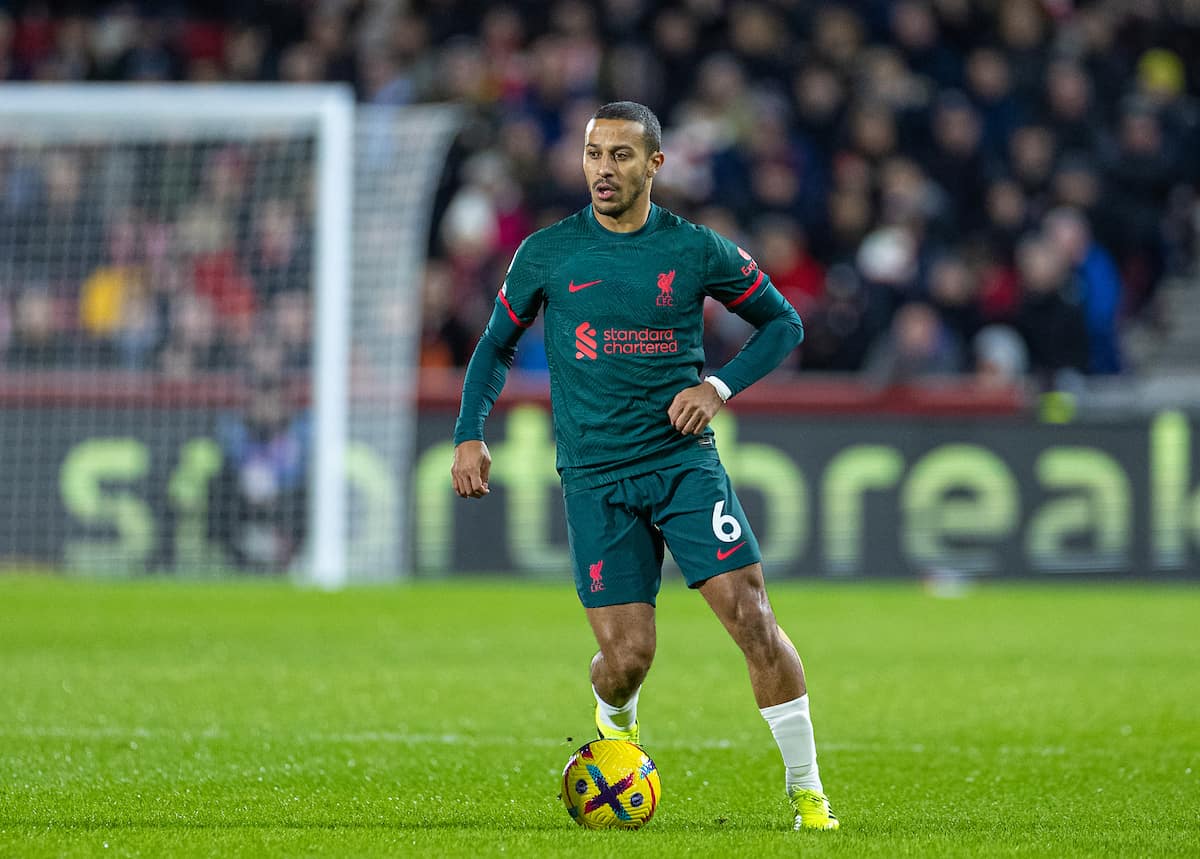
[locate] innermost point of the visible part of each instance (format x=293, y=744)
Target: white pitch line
x=455, y=739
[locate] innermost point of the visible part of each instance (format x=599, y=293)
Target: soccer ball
x=611, y=784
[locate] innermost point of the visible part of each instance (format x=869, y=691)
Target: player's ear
x=655, y=164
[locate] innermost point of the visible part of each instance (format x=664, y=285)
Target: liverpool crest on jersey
x=665, y=279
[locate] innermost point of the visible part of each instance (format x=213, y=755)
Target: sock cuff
x=787, y=708
x=606, y=707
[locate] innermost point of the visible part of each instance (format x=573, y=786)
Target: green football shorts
x=617, y=532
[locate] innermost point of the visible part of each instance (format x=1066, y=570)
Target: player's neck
x=629, y=221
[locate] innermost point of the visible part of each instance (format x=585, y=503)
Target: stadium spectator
x=1070, y=107
x=194, y=342
x=205, y=235
x=1024, y=32
x=140, y=330
x=1162, y=81
x=291, y=329
x=38, y=339
x=243, y=53
x=914, y=29
x=1050, y=317
x=676, y=44
x=258, y=502
x=783, y=251
x=917, y=346
x=956, y=158
x=1031, y=150
x=113, y=286
x=1141, y=172
x=280, y=253
x=445, y=339
x=837, y=37
x=888, y=262
x=1077, y=183
x=836, y=331
x=989, y=86
x=1000, y=357
x=953, y=291
x=819, y=94
x=1098, y=284
x=871, y=131
x=1008, y=217
x=53, y=235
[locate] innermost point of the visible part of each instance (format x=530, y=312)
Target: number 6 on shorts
x=725, y=527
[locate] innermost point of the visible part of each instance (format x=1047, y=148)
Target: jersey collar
x=651, y=223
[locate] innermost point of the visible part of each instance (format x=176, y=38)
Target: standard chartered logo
x=623, y=341
x=585, y=341
x=640, y=341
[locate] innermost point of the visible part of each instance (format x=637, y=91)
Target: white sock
x=793, y=730
x=618, y=718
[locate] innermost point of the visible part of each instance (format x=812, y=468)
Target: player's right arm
x=516, y=307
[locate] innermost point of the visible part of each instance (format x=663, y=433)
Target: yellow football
x=611, y=784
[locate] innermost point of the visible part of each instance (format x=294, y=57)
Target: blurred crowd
x=179, y=257
x=998, y=187
x=938, y=186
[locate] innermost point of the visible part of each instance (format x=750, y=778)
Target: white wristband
x=722, y=389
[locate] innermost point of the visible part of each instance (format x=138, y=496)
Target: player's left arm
x=778, y=330
x=735, y=280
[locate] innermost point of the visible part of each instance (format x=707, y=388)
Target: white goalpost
x=199, y=364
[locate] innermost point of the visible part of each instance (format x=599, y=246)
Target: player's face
x=617, y=166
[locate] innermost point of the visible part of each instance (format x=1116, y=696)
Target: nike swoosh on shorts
x=722, y=555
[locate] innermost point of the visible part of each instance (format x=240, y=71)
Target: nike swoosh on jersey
x=722, y=555
x=575, y=287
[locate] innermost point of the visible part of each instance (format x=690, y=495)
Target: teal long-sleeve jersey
x=624, y=328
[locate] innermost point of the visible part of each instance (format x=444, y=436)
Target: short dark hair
x=634, y=112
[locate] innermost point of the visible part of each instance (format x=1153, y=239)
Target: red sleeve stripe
x=741, y=297
x=513, y=316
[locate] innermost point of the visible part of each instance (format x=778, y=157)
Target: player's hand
x=472, y=465
x=693, y=408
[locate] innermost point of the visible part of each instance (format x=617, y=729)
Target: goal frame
x=329, y=111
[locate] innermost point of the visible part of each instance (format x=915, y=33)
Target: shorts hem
x=695, y=583
x=593, y=603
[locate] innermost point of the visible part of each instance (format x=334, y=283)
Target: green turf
x=251, y=719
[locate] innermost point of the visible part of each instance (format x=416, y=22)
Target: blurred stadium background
x=987, y=214
x=245, y=250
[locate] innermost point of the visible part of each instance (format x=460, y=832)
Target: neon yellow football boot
x=631, y=734
x=812, y=809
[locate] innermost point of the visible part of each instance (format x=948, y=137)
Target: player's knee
x=629, y=664
x=760, y=640
x=754, y=627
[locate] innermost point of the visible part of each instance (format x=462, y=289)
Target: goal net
x=209, y=313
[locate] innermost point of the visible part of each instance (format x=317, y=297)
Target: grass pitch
x=252, y=719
